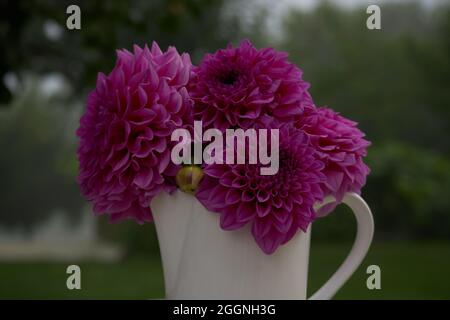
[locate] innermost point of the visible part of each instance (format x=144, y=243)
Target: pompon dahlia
x=234, y=87
x=124, y=135
x=276, y=206
x=341, y=146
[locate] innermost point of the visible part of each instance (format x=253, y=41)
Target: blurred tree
x=380, y=78
x=37, y=162
x=408, y=191
x=395, y=83
x=36, y=38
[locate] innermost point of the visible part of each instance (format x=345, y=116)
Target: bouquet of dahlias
x=125, y=139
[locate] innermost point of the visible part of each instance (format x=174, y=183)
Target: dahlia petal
x=276, y=207
x=143, y=178
x=163, y=92
x=174, y=104
x=118, y=206
x=290, y=234
x=277, y=202
x=101, y=84
x=153, y=82
x=121, y=161
x=227, y=179
x=281, y=215
x=229, y=222
x=285, y=226
x=270, y=242
x=159, y=145
x=156, y=51
x=233, y=196
x=262, y=195
x=334, y=180
x=168, y=70
x=287, y=110
x=164, y=161
x=239, y=183
x=217, y=197
x=342, y=146
x=142, y=97
x=263, y=209
x=247, y=195
x=245, y=211
x=142, y=117
x=251, y=114
x=326, y=209
x=303, y=224
x=261, y=227
x=244, y=84
x=288, y=203
x=215, y=171
x=125, y=131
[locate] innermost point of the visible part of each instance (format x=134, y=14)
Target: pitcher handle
x=364, y=234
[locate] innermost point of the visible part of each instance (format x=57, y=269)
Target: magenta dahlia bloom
x=276, y=206
x=124, y=135
x=341, y=146
x=235, y=87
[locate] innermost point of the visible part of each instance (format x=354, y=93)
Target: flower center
x=229, y=77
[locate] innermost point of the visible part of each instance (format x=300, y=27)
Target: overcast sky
x=307, y=4
x=277, y=8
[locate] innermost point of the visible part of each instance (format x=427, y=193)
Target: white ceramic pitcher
x=202, y=261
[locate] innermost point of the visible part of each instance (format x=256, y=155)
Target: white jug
x=202, y=261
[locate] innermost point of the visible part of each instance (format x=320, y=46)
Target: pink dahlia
x=124, y=135
x=341, y=146
x=235, y=87
x=276, y=206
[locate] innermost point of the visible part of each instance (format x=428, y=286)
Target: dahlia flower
x=124, y=135
x=276, y=206
x=235, y=87
x=341, y=146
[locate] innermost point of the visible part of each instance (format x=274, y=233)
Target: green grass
x=419, y=271
x=408, y=271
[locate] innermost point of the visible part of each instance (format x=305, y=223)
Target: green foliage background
x=395, y=82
